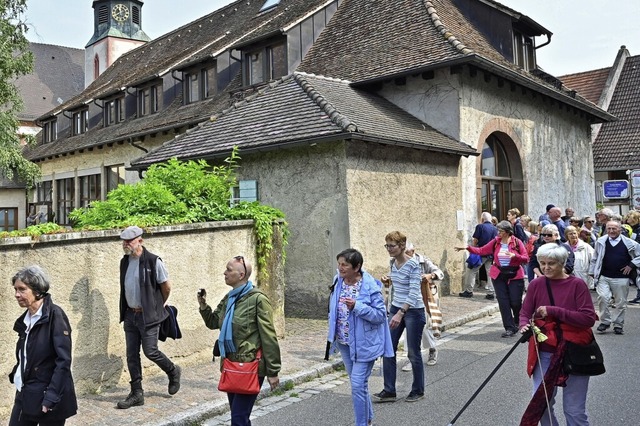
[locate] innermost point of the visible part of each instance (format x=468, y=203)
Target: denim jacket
x=370, y=337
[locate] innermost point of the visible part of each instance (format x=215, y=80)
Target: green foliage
x=35, y=231
x=183, y=192
x=15, y=60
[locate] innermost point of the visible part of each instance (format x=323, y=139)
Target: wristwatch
x=403, y=310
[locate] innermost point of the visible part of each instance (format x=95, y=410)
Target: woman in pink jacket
x=509, y=254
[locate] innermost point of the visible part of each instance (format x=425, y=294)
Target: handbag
x=32, y=395
x=580, y=360
x=583, y=360
x=240, y=377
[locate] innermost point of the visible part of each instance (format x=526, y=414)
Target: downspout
x=137, y=146
x=544, y=44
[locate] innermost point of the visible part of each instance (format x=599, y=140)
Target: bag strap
x=331, y=290
x=553, y=303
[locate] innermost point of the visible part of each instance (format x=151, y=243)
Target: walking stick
x=523, y=339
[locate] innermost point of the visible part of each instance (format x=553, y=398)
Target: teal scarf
x=226, y=331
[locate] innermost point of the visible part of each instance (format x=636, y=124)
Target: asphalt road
x=465, y=359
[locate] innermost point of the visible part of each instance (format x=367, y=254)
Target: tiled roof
x=175, y=115
x=201, y=38
x=304, y=108
x=370, y=40
x=589, y=84
x=58, y=75
x=617, y=146
x=10, y=183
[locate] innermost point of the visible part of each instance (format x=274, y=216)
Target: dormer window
x=524, y=54
x=113, y=111
x=269, y=4
x=80, y=121
x=148, y=99
x=50, y=131
x=199, y=83
x=265, y=63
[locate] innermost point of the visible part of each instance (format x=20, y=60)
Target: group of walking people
x=566, y=258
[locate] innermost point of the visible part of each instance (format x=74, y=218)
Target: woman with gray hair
x=509, y=254
x=550, y=234
x=555, y=301
x=45, y=393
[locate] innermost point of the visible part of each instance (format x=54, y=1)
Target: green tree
x=15, y=60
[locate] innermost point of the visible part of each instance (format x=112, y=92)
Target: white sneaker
x=407, y=367
x=433, y=357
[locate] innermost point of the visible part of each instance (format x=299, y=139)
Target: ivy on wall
x=174, y=193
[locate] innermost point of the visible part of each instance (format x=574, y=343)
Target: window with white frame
x=113, y=111
x=50, y=131
x=247, y=190
x=524, y=54
x=80, y=120
x=199, y=84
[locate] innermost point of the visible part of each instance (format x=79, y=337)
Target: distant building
x=354, y=117
x=58, y=75
x=616, y=144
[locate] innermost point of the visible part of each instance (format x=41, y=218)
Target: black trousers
x=509, y=298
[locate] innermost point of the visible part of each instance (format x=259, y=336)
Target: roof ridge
x=327, y=107
x=446, y=33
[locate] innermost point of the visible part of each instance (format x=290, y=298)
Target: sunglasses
x=244, y=265
x=546, y=235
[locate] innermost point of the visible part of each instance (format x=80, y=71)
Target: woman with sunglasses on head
x=550, y=234
x=406, y=310
x=45, y=393
x=245, y=319
x=509, y=254
x=358, y=328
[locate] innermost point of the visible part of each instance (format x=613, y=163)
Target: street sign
x=615, y=189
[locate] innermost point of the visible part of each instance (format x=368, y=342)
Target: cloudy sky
x=586, y=33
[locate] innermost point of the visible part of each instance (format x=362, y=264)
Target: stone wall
x=83, y=269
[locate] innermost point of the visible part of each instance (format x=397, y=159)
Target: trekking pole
x=522, y=339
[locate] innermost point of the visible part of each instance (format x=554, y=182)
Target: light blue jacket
x=370, y=337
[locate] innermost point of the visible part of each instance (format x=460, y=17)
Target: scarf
x=226, y=331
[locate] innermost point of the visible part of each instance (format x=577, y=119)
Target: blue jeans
x=574, y=396
x=414, y=321
x=136, y=335
x=241, y=406
x=509, y=301
x=359, y=373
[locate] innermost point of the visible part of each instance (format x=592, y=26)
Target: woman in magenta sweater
x=509, y=254
x=570, y=308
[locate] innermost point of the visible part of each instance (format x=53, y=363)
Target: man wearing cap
x=144, y=290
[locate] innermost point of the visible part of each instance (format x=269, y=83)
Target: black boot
x=174, y=380
x=134, y=399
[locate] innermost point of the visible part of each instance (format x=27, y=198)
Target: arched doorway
x=502, y=186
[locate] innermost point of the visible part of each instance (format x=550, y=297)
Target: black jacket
x=153, y=310
x=48, y=361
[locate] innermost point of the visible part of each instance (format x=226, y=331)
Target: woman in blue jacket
x=358, y=328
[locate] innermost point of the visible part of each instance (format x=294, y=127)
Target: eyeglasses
x=390, y=246
x=546, y=235
x=244, y=265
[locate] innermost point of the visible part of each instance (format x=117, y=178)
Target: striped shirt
x=406, y=284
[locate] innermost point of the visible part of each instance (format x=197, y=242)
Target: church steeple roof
x=117, y=18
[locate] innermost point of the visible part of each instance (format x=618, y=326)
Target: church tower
x=117, y=30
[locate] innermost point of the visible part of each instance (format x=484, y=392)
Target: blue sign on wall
x=615, y=189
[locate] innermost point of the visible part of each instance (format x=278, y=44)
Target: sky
x=587, y=34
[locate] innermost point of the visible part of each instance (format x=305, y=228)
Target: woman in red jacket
x=509, y=254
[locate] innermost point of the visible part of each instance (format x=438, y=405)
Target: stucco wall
x=334, y=200
x=412, y=191
x=83, y=268
x=308, y=184
x=15, y=198
x=553, y=144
